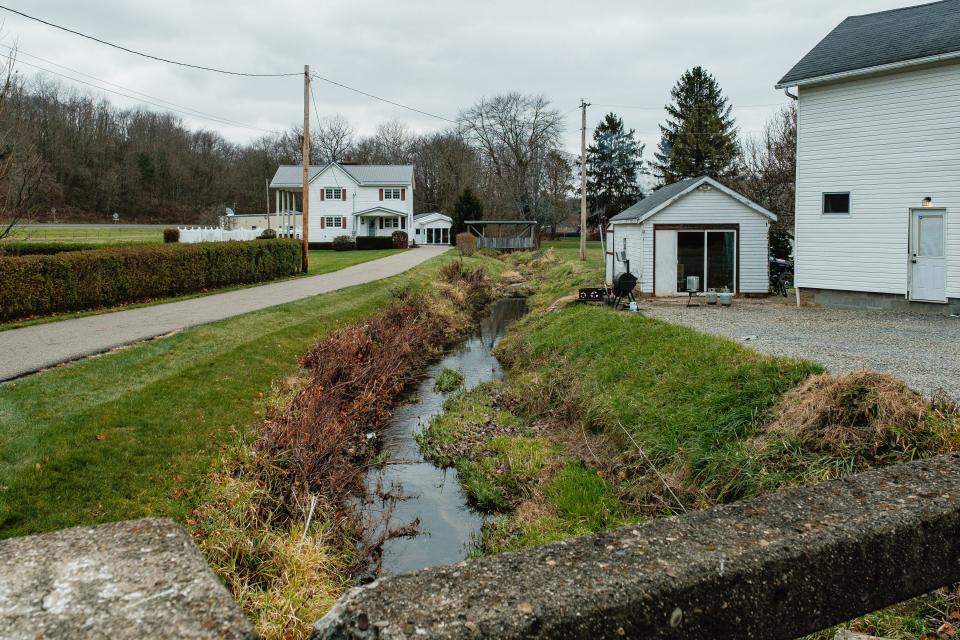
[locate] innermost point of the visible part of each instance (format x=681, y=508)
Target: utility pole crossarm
x=583, y=180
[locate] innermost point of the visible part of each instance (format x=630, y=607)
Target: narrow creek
x=429, y=496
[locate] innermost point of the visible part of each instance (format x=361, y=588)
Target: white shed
x=432, y=228
x=694, y=227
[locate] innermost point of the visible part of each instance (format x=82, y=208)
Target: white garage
x=432, y=228
x=694, y=227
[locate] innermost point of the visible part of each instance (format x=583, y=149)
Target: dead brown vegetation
x=865, y=414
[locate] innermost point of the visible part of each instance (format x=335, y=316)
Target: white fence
x=216, y=234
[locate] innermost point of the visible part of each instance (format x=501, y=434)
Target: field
x=100, y=234
x=133, y=432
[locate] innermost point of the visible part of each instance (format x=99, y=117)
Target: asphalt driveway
x=923, y=350
x=40, y=346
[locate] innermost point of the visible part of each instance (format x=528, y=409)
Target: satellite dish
x=230, y=212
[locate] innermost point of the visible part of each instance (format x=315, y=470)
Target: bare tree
x=444, y=165
x=21, y=167
x=333, y=139
x=769, y=172
x=514, y=134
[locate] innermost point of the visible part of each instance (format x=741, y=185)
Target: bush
x=51, y=248
x=46, y=284
x=466, y=244
x=268, y=234
x=344, y=243
x=171, y=235
x=399, y=239
x=374, y=242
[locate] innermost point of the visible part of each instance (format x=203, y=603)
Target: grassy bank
x=321, y=261
x=133, y=432
x=89, y=233
x=606, y=417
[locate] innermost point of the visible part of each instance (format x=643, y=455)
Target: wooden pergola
x=521, y=234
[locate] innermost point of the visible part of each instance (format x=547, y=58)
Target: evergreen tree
x=466, y=207
x=700, y=135
x=614, y=161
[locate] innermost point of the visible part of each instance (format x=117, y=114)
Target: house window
x=333, y=193
x=391, y=223
x=331, y=221
x=836, y=203
x=417, y=231
x=391, y=194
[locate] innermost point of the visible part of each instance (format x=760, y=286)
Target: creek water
x=425, y=494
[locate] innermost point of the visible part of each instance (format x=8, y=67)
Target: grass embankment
x=593, y=400
x=321, y=261
x=133, y=432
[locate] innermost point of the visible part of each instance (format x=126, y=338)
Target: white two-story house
x=878, y=161
x=346, y=199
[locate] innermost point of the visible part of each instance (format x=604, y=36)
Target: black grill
x=624, y=284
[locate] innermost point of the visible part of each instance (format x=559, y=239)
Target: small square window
x=391, y=194
x=333, y=193
x=836, y=203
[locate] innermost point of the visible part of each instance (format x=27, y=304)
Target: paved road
x=40, y=346
x=923, y=350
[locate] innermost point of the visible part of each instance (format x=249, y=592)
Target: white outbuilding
x=694, y=227
x=432, y=228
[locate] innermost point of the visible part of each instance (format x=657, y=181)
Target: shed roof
x=291, y=175
x=667, y=195
x=900, y=36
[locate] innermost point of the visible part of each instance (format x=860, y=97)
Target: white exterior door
x=928, y=268
x=665, y=281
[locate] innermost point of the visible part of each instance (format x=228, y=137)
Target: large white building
x=346, y=199
x=878, y=161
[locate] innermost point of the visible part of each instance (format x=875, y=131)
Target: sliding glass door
x=711, y=255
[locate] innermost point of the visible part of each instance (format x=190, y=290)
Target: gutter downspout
x=796, y=289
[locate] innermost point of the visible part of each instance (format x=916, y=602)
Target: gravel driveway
x=923, y=350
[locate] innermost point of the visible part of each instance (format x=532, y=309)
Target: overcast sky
x=437, y=56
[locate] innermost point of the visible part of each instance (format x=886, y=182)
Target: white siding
x=701, y=207
x=358, y=199
x=890, y=141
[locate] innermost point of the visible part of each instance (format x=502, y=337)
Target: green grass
x=321, y=261
x=448, y=380
x=100, y=235
x=132, y=433
x=325, y=261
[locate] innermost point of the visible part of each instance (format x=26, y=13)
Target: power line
x=376, y=97
x=661, y=108
x=182, y=108
x=147, y=55
x=124, y=95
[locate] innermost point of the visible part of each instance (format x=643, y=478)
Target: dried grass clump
x=865, y=414
x=512, y=277
x=549, y=258
x=475, y=284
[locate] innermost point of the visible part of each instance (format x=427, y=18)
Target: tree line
x=68, y=156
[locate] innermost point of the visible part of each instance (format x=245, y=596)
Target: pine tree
x=614, y=161
x=700, y=135
x=466, y=207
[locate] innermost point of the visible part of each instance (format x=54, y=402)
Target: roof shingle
x=878, y=39
x=366, y=174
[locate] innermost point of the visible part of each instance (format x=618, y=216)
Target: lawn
x=133, y=432
x=89, y=233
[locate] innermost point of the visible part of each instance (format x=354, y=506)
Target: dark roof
x=876, y=39
x=655, y=199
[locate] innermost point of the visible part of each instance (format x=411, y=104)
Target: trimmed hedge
x=51, y=248
x=45, y=284
x=171, y=235
x=374, y=242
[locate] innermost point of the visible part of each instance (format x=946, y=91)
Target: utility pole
x=305, y=196
x=583, y=180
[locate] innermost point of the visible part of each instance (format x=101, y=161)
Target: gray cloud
x=621, y=55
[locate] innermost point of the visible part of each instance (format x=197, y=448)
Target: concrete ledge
x=863, y=300
x=133, y=579
x=773, y=568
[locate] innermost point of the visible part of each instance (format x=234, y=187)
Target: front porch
x=380, y=221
